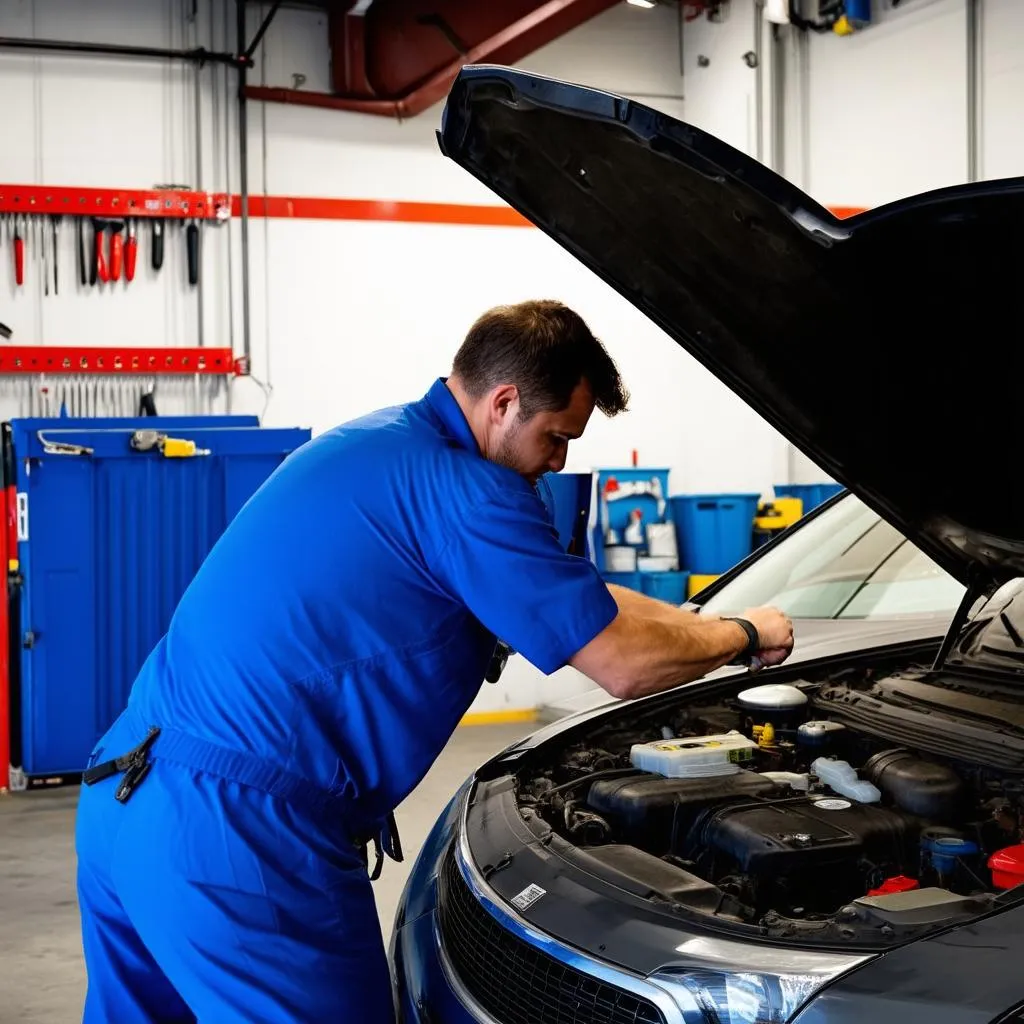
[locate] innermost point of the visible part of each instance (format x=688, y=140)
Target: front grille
x=516, y=983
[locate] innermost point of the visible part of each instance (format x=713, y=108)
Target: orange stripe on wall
x=401, y=212
x=309, y=208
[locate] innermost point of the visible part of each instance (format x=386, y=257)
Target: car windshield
x=846, y=563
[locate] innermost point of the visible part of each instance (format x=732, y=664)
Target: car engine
x=778, y=810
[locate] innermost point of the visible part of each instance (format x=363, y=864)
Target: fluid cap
x=773, y=697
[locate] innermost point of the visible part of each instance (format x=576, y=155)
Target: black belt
x=134, y=766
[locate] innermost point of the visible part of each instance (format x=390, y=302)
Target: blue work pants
x=207, y=899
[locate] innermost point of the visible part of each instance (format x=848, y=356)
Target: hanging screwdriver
x=116, y=249
x=157, y=254
x=83, y=255
x=131, y=247
x=99, y=262
x=55, y=221
x=41, y=223
x=192, y=245
x=19, y=255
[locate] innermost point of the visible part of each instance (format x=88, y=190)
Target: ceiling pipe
x=357, y=69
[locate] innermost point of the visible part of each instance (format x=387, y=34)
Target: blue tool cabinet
x=107, y=544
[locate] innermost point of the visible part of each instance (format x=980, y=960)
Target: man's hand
x=775, y=631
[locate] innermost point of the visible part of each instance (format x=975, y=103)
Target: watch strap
x=753, y=639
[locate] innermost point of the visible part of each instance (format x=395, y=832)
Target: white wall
x=350, y=315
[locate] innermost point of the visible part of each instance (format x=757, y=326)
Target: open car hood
x=887, y=346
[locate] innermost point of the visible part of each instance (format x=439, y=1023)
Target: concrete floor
x=42, y=978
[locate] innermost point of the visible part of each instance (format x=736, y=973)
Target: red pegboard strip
x=97, y=202
x=116, y=360
x=105, y=202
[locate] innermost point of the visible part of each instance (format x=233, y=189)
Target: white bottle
x=840, y=777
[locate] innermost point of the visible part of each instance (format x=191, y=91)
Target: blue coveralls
x=312, y=672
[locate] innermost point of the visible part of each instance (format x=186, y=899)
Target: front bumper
x=427, y=988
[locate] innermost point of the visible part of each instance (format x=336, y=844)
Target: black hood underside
x=887, y=347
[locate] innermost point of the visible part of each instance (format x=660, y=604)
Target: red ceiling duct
x=396, y=58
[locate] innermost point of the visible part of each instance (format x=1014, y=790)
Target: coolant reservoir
x=841, y=778
x=694, y=757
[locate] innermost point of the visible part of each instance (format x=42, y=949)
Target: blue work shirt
x=343, y=623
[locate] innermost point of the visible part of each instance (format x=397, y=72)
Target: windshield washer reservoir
x=694, y=757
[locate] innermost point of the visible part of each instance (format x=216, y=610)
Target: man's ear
x=503, y=402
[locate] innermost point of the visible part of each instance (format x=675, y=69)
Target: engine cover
x=794, y=835
x=646, y=809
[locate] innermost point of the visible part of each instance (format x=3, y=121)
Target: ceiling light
x=643, y=3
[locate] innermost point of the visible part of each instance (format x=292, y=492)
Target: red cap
x=898, y=883
x=1007, y=866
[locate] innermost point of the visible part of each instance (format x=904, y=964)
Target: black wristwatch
x=753, y=641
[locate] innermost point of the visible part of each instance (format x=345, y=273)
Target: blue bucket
x=714, y=531
x=667, y=586
x=812, y=495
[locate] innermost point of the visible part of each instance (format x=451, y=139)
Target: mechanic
x=318, y=663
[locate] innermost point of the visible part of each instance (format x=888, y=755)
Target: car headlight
x=748, y=984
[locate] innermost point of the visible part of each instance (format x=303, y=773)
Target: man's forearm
x=634, y=602
x=649, y=607
x=652, y=646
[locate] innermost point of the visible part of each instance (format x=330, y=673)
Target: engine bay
x=774, y=809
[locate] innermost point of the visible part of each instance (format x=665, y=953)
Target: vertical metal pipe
x=758, y=80
x=973, y=9
x=243, y=173
x=777, y=100
x=198, y=89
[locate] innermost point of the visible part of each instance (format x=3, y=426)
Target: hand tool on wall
x=43, y=255
x=192, y=245
x=55, y=221
x=131, y=248
x=36, y=245
x=116, y=249
x=157, y=252
x=99, y=262
x=83, y=253
x=19, y=255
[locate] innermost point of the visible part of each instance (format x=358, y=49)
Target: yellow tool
x=169, y=447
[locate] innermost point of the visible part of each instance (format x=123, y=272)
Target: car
x=838, y=838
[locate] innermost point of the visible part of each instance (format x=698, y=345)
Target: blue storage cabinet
x=615, y=514
x=107, y=544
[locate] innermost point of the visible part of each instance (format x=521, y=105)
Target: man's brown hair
x=545, y=349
